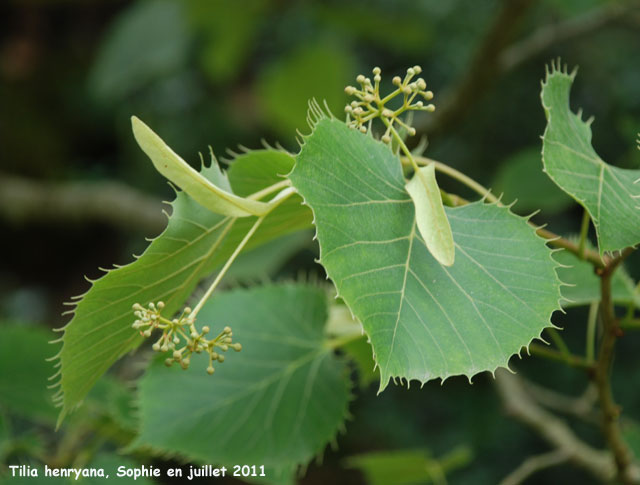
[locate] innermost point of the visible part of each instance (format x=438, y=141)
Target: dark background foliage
x=77, y=194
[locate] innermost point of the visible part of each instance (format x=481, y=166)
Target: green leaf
x=408, y=467
x=213, y=194
x=23, y=380
x=136, y=51
x=583, y=285
x=278, y=402
x=195, y=242
x=610, y=194
x=227, y=31
x=424, y=320
x=318, y=70
x=431, y=219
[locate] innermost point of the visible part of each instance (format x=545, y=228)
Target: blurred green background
x=77, y=194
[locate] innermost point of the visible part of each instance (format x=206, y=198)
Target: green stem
x=591, y=332
x=570, y=360
x=269, y=190
x=401, y=143
x=584, y=229
x=227, y=265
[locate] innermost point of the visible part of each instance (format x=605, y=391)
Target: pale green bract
x=610, y=194
x=195, y=242
x=215, y=195
x=431, y=219
x=278, y=404
x=424, y=320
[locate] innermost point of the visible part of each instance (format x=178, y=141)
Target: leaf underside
x=278, y=402
x=610, y=194
x=424, y=320
x=195, y=242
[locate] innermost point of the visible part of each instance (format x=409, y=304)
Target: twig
x=495, y=56
x=554, y=430
x=25, y=201
x=581, y=407
x=610, y=410
x=532, y=465
x=565, y=358
x=549, y=35
x=482, y=68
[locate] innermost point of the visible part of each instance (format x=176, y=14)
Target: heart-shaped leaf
x=424, y=320
x=276, y=403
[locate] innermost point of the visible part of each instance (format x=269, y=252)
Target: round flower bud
x=226, y=329
x=205, y=329
x=386, y=139
x=147, y=333
x=168, y=362
x=156, y=347
x=221, y=358
x=396, y=81
x=164, y=348
x=160, y=305
x=417, y=69
x=360, y=78
x=210, y=370
x=237, y=347
x=430, y=108
x=376, y=70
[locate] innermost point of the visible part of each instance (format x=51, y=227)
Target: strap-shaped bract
x=202, y=190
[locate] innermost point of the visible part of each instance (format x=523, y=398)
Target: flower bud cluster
x=180, y=336
x=370, y=105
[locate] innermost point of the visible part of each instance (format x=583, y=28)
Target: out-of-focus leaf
x=146, y=41
x=584, y=285
x=315, y=71
x=25, y=372
x=631, y=434
x=610, y=194
x=227, y=30
x=408, y=467
x=276, y=403
x=521, y=177
x=377, y=24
